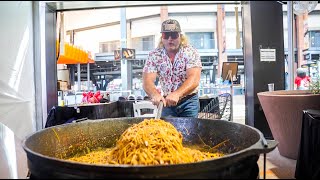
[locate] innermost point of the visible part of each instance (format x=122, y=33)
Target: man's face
x=171, y=41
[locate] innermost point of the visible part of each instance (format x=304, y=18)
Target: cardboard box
x=62, y=85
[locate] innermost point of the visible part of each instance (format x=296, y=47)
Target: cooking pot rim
x=134, y=166
x=258, y=145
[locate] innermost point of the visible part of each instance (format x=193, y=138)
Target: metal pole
x=40, y=68
x=88, y=76
x=231, y=101
x=290, y=46
x=79, y=77
x=126, y=66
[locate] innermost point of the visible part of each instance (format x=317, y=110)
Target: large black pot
x=46, y=148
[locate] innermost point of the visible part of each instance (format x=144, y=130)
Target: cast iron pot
x=46, y=149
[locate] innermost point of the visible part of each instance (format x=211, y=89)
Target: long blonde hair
x=184, y=41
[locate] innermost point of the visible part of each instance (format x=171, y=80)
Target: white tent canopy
x=17, y=107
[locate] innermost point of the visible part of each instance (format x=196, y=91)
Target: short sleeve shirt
x=172, y=75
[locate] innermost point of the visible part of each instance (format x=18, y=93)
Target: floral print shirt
x=172, y=75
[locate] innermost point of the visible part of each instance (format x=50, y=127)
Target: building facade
x=206, y=26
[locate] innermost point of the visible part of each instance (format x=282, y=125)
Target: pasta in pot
x=150, y=142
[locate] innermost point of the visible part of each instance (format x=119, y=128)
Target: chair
x=219, y=108
x=121, y=98
x=131, y=97
x=146, y=98
x=139, y=98
x=144, y=109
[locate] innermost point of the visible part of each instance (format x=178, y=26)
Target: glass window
x=314, y=38
x=238, y=59
x=145, y=43
x=201, y=40
x=110, y=46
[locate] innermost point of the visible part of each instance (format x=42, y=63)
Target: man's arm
x=192, y=82
x=148, y=83
x=150, y=88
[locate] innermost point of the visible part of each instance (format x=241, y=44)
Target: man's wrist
x=153, y=95
x=179, y=94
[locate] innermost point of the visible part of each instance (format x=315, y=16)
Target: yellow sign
x=117, y=55
x=128, y=53
x=125, y=53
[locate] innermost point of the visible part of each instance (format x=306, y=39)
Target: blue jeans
x=186, y=108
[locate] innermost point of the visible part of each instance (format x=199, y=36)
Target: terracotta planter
x=283, y=111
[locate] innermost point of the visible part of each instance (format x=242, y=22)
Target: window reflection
x=201, y=40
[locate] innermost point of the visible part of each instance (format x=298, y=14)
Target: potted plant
x=283, y=110
x=314, y=86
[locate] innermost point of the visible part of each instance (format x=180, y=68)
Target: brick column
x=300, y=38
x=221, y=38
x=163, y=13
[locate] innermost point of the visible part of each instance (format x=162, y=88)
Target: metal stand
x=265, y=144
x=229, y=77
x=264, y=165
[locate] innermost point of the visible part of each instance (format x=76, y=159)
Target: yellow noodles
x=150, y=142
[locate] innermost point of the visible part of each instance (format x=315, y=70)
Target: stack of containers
x=73, y=55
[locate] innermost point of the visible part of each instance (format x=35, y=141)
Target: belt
x=187, y=97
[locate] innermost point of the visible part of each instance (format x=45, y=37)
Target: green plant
x=314, y=85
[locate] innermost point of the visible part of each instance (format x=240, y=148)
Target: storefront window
x=109, y=46
x=145, y=43
x=201, y=40
x=314, y=38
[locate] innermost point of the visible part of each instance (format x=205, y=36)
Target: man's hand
x=172, y=99
x=151, y=90
x=187, y=87
x=156, y=100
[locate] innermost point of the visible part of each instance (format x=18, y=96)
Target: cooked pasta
x=150, y=142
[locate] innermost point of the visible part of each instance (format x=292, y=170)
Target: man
x=178, y=66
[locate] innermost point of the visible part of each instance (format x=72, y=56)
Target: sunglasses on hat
x=166, y=35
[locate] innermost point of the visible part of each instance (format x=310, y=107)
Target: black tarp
x=62, y=115
x=122, y=108
x=308, y=162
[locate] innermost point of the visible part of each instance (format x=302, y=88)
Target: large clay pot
x=283, y=111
